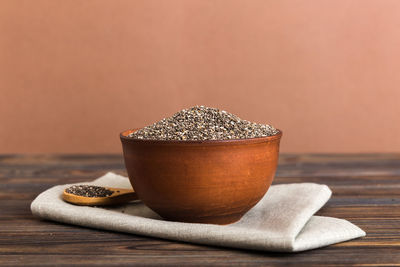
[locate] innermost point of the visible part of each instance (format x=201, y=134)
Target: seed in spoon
x=89, y=191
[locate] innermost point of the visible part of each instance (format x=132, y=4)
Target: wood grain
x=366, y=191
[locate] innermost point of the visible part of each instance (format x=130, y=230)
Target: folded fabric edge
x=323, y=231
x=315, y=202
x=302, y=245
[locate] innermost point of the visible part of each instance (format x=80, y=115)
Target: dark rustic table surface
x=366, y=191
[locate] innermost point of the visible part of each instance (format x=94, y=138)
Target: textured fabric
x=282, y=221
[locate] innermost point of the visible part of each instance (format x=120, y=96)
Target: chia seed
x=203, y=123
x=89, y=191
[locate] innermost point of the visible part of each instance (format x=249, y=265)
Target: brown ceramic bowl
x=201, y=181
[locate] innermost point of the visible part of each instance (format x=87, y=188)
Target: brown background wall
x=73, y=74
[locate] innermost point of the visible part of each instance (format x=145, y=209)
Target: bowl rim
x=124, y=137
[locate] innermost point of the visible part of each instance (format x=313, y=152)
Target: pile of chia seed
x=89, y=191
x=203, y=123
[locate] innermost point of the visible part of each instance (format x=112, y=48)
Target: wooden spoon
x=119, y=196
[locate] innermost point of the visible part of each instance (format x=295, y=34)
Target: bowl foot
x=221, y=220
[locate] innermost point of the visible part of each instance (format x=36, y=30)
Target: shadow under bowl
x=213, y=181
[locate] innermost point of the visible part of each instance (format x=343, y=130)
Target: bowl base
x=221, y=220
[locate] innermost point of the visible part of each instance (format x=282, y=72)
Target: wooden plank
x=366, y=191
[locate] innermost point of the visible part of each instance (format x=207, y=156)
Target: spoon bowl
x=119, y=196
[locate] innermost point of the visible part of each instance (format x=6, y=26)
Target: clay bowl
x=201, y=181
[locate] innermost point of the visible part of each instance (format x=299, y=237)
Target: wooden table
x=366, y=191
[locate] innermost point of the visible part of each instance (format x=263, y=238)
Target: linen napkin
x=282, y=221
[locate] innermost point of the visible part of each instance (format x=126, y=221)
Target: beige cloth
x=282, y=221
